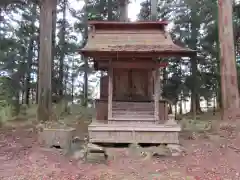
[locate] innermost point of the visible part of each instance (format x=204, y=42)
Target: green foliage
x=196, y=27
x=195, y=126
x=8, y=92
x=5, y=114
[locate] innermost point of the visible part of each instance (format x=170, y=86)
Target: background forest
x=194, y=24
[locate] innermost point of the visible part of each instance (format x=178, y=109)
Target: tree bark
x=123, y=10
x=62, y=53
x=28, y=71
x=154, y=4
x=30, y=55
x=86, y=67
x=72, y=88
x=110, y=10
x=38, y=58
x=193, y=45
x=45, y=60
x=229, y=83
x=85, y=59
x=170, y=111
x=180, y=107
x=54, y=87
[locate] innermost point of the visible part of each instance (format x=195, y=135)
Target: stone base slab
x=57, y=137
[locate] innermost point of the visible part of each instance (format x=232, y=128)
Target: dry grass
x=78, y=117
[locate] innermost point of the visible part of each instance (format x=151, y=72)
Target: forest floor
x=211, y=155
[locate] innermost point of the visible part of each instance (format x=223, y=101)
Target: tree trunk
x=218, y=89
x=175, y=110
x=123, y=10
x=30, y=55
x=33, y=97
x=214, y=105
x=65, y=100
x=23, y=95
x=54, y=87
x=45, y=60
x=194, y=108
x=38, y=59
x=229, y=83
x=62, y=52
x=86, y=67
x=110, y=10
x=154, y=4
x=170, y=111
x=28, y=71
x=197, y=104
x=180, y=107
x=72, y=90
x=1, y=22
x=193, y=45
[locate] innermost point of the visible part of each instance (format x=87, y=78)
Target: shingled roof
x=126, y=38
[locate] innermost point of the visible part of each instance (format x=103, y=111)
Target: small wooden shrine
x=130, y=108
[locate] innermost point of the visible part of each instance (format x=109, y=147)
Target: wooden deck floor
x=133, y=133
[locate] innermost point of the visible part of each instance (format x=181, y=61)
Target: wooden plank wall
x=136, y=83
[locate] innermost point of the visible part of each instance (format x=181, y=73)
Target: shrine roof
x=128, y=25
x=109, y=39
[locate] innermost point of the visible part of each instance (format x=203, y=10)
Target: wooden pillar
x=110, y=91
x=156, y=94
x=156, y=74
x=45, y=60
x=229, y=84
x=160, y=83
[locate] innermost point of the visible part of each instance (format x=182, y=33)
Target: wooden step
x=132, y=118
x=126, y=127
x=133, y=105
x=130, y=107
x=123, y=112
x=131, y=122
x=133, y=108
x=137, y=117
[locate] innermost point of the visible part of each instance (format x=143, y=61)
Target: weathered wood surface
x=104, y=87
x=131, y=64
x=110, y=91
x=125, y=108
x=101, y=110
x=123, y=39
x=121, y=26
x=156, y=94
x=129, y=85
x=103, y=65
x=138, y=133
x=45, y=60
x=121, y=84
x=229, y=83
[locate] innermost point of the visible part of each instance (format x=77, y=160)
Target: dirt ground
x=213, y=157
